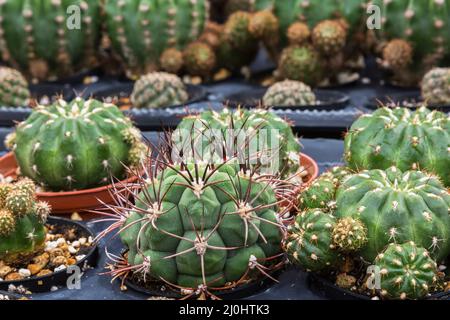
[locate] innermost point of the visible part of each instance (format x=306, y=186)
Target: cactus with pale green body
x=49, y=39
x=22, y=222
x=436, y=86
x=158, y=90
x=14, y=90
x=407, y=139
x=140, y=31
x=289, y=93
x=76, y=145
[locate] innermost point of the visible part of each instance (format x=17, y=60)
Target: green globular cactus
x=49, y=39
x=22, y=227
x=14, y=90
x=424, y=26
x=329, y=37
x=76, y=145
x=196, y=225
x=289, y=93
x=349, y=235
x=309, y=243
x=200, y=59
x=301, y=63
x=140, y=31
x=407, y=271
x=436, y=86
x=259, y=136
x=157, y=90
x=397, y=207
x=409, y=140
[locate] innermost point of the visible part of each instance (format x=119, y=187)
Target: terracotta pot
x=311, y=166
x=64, y=201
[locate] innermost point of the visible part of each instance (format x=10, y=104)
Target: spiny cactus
x=265, y=139
x=76, y=145
x=423, y=27
x=329, y=37
x=200, y=59
x=410, y=140
x=158, y=89
x=141, y=30
x=298, y=33
x=310, y=243
x=407, y=271
x=349, y=235
x=289, y=93
x=13, y=88
x=301, y=63
x=171, y=60
x=22, y=222
x=397, y=207
x=41, y=40
x=436, y=86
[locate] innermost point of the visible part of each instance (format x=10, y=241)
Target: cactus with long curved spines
x=397, y=207
x=420, y=25
x=49, y=39
x=76, y=145
x=407, y=271
x=14, y=90
x=259, y=136
x=410, y=140
x=22, y=222
x=140, y=31
x=310, y=242
x=436, y=86
x=289, y=93
x=158, y=89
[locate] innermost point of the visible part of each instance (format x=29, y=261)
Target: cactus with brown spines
x=14, y=90
x=158, y=90
x=298, y=33
x=200, y=59
x=140, y=31
x=436, y=86
x=171, y=60
x=329, y=37
x=407, y=271
x=45, y=40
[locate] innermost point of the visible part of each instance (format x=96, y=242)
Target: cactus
x=37, y=38
x=407, y=271
x=200, y=59
x=329, y=37
x=310, y=243
x=397, y=207
x=279, y=144
x=76, y=145
x=349, y=235
x=301, y=63
x=298, y=34
x=436, y=86
x=171, y=60
x=13, y=88
x=140, y=31
x=423, y=27
x=158, y=89
x=201, y=225
x=22, y=226
x=410, y=140
x=289, y=93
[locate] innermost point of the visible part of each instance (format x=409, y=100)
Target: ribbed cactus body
x=14, y=90
x=141, y=30
x=49, y=39
x=410, y=140
x=22, y=226
x=289, y=93
x=397, y=207
x=76, y=145
x=202, y=226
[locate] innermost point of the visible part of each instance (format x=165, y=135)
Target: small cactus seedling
x=329, y=37
x=22, y=221
x=349, y=235
x=310, y=243
x=301, y=63
x=409, y=140
x=397, y=207
x=13, y=88
x=157, y=90
x=407, y=271
x=76, y=145
x=200, y=59
x=436, y=86
x=289, y=93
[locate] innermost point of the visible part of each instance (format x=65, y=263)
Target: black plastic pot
x=326, y=100
x=408, y=100
x=45, y=283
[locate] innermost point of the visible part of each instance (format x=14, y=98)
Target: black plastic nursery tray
x=411, y=99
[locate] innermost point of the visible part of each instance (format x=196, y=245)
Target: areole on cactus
x=76, y=145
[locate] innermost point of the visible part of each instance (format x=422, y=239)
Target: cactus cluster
x=157, y=90
x=407, y=139
x=76, y=145
x=436, y=86
x=289, y=93
x=140, y=31
x=14, y=90
x=22, y=221
x=39, y=39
